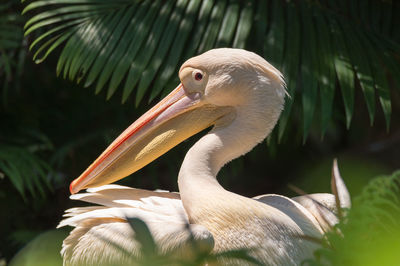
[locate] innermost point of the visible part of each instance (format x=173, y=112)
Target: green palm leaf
x=326, y=71
x=26, y=171
x=370, y=231
x=291, y=64
x=11, y=46
x=309, y=69
x=322, y=47
x=166, y=41
x=177, y=47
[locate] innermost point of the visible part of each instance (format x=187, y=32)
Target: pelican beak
x=175, y=118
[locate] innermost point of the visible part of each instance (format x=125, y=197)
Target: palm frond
x=369, y=234
x=26, y=171
x=21, y=161
x=321, y=46
x=309, y=69
x=11, y=43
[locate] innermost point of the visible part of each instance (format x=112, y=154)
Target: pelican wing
x=322, y=206
x=103, y=236
x=327, y=208
x=296, y=211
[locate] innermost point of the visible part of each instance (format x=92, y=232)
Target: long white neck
x=251, y=124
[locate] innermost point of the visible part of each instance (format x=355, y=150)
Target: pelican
x=240, y=95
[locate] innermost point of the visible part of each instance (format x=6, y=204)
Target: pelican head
x=217, y=88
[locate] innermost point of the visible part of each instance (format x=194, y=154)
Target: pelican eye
x=198, y=76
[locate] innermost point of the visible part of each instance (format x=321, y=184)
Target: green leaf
x=143, y=236
x=72, y=49
x=58, y=19
x=107, y=47
x=291, y=64
x=171, y=63
x=88, y=10
x=79, y=47
x=45, y=3
x=54, y=42
x=24, y=169
x=229, y=23
x=165, y=43
x=274, y=42
x=15, y=176
x=326, y=77
x=214, y=23
x=380, y=57
x=260, y=25
x=48, y=33
x=106, y=33
x=362, y=69
x=148, y=49
x=199, y=30
x=344, y=71
x=309, y=70
x=123, y=46
x=382, y=88
x=244, y=25
x=143, y=28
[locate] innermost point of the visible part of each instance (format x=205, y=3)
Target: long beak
x=175, y=118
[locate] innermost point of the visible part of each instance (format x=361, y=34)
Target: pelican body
x=241, y=96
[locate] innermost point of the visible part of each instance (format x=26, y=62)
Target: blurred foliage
x=44, y=250
x=370, y=233
x=19, y=147
x=12, y=54
x=52, y=129
x=358, y=173
x=27, y=171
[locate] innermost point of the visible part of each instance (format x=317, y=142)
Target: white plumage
x=98, y=226
x=241, y=95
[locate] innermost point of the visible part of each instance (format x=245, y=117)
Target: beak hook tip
x=72, y=188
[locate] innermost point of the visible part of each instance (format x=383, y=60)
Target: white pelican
x=241, y=95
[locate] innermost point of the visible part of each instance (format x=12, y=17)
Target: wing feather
x=322, y=206
x=102, y=235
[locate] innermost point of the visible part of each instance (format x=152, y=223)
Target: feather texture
x=103, y=236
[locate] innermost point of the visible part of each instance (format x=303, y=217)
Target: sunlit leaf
x=309, y=70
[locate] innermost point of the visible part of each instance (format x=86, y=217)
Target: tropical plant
x=369, y=235
x=18, y=152
x=138, y=45
x=26, y=170
x=12, y=54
